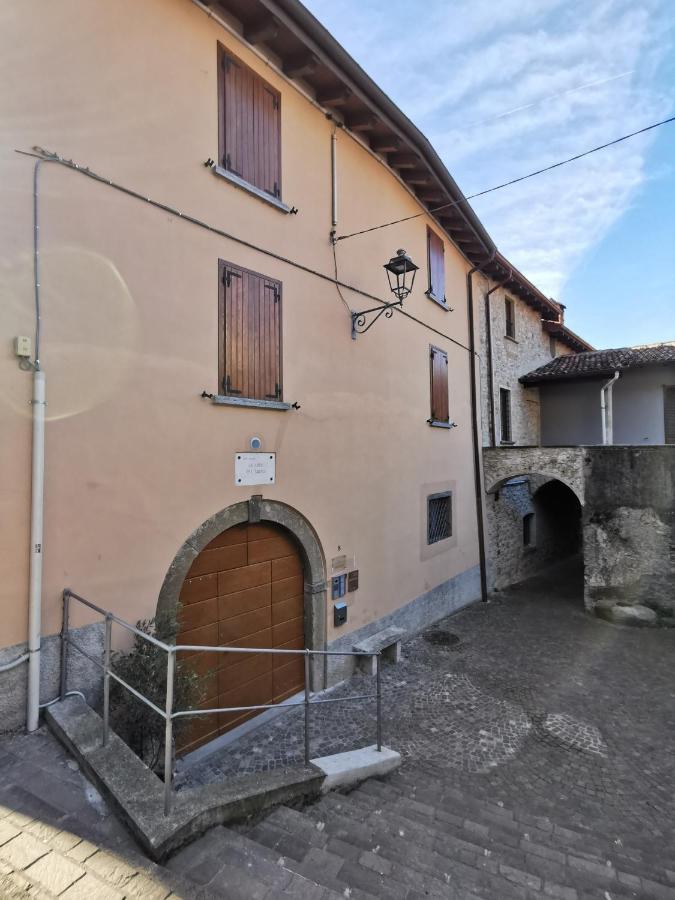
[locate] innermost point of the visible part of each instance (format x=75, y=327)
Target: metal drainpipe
x=478, y=472
x=488, y=334
x=606, y=411
x=37, y=490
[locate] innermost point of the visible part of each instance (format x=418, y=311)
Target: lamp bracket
x=359, y=319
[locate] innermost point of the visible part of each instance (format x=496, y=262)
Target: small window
x=505, y=415
x=510, y=309
x=249, y=133
x=436, y=266
x=250, y=329
x=438, y=366
x=551, y=345
x=439, y=517
x=669, y=414
x=528, y=530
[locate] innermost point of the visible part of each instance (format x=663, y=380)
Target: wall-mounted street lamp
x=401, y=274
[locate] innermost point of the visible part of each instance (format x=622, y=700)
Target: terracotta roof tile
x=596, y=363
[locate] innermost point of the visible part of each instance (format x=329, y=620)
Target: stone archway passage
x=244, y=589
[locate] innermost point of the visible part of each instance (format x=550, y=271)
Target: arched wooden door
x=245, y=589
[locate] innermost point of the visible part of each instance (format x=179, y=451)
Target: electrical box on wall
x=339, y=613
x=22, y=346
x=338, y=586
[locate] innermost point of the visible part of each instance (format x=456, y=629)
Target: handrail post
x=168, y=731
x=65, y=626
x=106, y=677
x=307, y=707
x=379, y=701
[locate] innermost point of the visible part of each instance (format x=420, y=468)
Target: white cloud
x=504, y=88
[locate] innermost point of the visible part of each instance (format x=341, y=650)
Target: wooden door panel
x=286, y=567
x=245, y=577
x=235, y=629
x=252, y=667
x=246, y=589
x=194, y=615
x=285, y=632
x=231, y=605
x=203, y=587
x=210, y=561
x=292, y=608
x=260, y=551
x=287, y=587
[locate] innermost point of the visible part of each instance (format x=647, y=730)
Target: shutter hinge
x=275, y=102
x=277, y=393
x=229, y=275
x=227, y=386
x=228, y=161
x=276, y=192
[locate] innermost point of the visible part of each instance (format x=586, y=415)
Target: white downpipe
x=37, y=511
x=606, y=410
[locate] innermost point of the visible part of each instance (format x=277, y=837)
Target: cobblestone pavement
x=58, y=837
x=537, y=763
x=535, y=699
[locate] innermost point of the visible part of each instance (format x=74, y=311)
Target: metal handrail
x=168, y=713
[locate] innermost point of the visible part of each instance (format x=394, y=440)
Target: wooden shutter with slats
x=250, y=357
x=436, y=263
x=440, y=411
x=669, y=414
x=250, y=126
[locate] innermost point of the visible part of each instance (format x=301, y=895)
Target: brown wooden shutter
x=440, y=411
x=250, y=139
x=251, y=335
x=669, y=414
x=436, y=262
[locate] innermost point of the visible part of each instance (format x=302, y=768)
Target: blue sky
x=504, y=88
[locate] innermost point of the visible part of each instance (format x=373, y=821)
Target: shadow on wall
x=534, y=523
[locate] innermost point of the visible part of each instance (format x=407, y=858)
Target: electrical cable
x=498, y=187
x=48, y=156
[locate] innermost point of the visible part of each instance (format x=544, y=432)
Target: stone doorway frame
x=254, y=511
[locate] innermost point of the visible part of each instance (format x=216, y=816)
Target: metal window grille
x=439, y=517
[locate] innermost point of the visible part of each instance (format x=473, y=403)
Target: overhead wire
x=499, y=187
x=49, y=156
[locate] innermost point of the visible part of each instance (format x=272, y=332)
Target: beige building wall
x=135, y=458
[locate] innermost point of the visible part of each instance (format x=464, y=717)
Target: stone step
x=527, y=858
x=541, y=829
x=403, y=864
x=227, y=864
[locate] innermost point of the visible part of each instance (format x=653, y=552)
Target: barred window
x=439, y=517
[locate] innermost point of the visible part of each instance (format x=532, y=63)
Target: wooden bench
x=387, y=642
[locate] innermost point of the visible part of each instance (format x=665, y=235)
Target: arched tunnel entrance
x=534, y=523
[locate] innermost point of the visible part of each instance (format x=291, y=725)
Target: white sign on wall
x=254, y=468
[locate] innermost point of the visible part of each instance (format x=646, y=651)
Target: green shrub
x=144, y=668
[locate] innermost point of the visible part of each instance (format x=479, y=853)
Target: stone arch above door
x=253, y=511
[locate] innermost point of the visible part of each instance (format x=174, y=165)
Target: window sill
x=509, y=338
x=251, y=189
x=441, y=303
x=222, y=400
x=434, y=423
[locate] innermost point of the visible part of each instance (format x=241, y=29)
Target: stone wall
x=629, y=533
x=564, y=463
x=512, y=358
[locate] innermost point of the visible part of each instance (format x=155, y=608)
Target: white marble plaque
x=254, y=468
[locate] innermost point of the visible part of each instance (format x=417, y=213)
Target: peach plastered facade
x=136, y=459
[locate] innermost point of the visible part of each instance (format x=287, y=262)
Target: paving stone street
x=537, y=762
